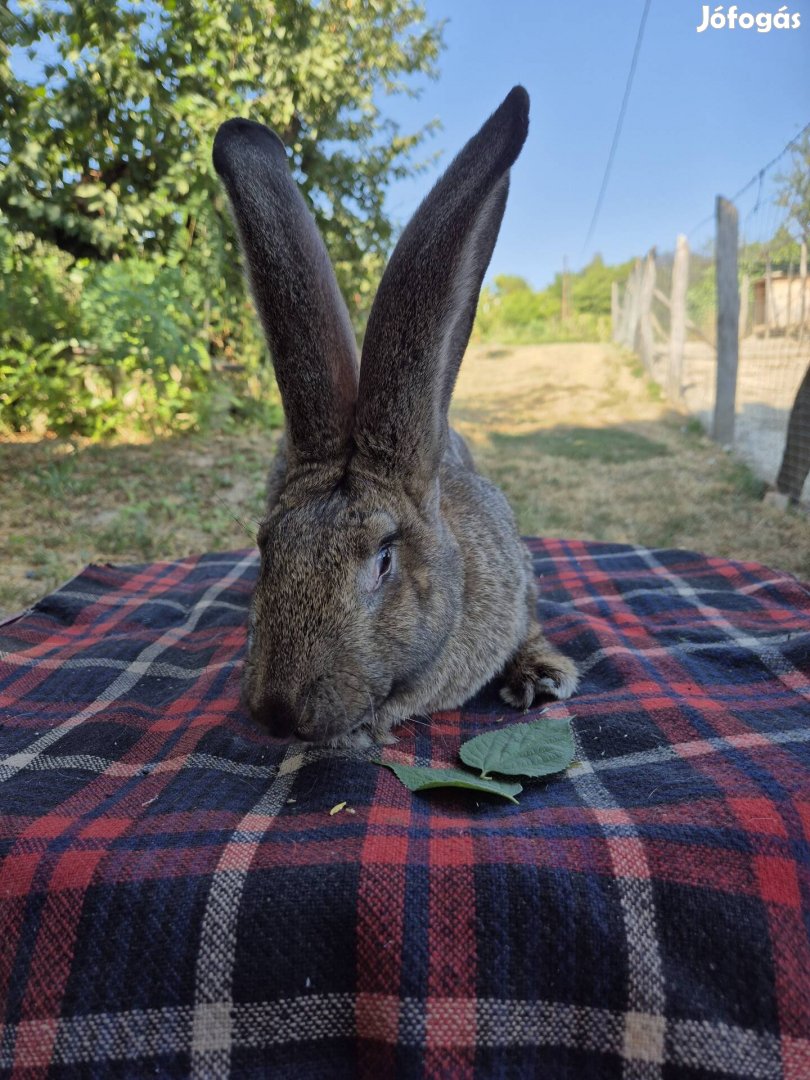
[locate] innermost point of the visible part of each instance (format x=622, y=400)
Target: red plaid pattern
x=176, y=899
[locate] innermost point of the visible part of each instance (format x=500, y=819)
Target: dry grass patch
x=64, y=504
x=586, y=448
x=581, y=444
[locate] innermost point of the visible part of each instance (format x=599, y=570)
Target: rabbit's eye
x=384, y=560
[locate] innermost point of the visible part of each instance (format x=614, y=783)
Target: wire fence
x=723, y=323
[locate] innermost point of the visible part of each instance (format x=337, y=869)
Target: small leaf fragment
x=538, y=748
x=420, y=778
x=336, y=808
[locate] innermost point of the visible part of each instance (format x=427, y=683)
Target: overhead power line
x=617, y=133
x=755, y=179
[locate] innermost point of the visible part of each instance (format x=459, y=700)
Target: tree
x=794, y=193
x=125, y=305
x=108, y=153
x=511, y=283
x=591, y=288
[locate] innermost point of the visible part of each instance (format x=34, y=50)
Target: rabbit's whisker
x=238, y=520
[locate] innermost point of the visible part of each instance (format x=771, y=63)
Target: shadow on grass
x=523, y=405
x=610, y=445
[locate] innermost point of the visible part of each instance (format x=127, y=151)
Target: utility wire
x=617, y=133
x=757, y=178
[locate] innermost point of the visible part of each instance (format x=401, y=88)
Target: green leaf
x=419, y=778
x=538, y=748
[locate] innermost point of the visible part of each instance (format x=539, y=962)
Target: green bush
x=144, y=344
x=121, y=347
x=512, y=313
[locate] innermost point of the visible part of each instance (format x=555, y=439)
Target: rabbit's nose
x=276, y=714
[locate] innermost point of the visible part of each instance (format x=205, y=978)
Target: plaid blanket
x=176, y=898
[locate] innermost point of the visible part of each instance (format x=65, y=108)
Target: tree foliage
x=105, y=156
x=512, y=312
x=112, y=146
x=794, y=192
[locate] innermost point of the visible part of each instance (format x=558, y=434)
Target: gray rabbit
x=393, y=581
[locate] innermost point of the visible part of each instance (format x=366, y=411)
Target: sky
x=707, y=112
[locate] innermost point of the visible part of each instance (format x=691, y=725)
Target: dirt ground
x=581, y=443
x=769, y=374
x=586, y=447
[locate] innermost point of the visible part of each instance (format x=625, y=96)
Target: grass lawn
x=581, y=443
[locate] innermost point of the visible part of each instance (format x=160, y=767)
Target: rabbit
x=392, y=579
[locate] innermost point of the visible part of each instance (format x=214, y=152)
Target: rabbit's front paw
x=538, y=669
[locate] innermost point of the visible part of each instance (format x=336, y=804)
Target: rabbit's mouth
x=323, y=714
x=371, y=729
x=343, y=705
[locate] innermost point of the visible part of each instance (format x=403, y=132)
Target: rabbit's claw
x=538, y=670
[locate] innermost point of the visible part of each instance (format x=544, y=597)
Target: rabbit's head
x=361, y=581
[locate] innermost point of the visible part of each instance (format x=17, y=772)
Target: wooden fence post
x=677, y=318
x=635, y=307
x=728, y=320
x=627, y=310
x=645, y=330
x=803, y=280
x=627, y=329
x=565, y=299
x=615, y=310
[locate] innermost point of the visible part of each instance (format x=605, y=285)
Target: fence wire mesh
x=677, y=339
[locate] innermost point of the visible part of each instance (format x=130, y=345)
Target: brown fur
x=335, y=653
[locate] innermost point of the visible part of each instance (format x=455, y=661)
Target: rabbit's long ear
x=423, y=313
x=304, y=316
